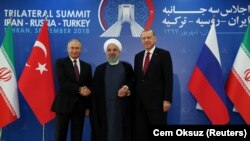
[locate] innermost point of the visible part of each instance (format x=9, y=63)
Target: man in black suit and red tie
x=72, y=99
x=153, y=86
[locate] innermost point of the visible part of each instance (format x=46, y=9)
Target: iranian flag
x=238, y=84
x=9, y=106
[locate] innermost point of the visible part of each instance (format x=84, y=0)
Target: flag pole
x=0, y=134
x=44, y=132
x=45, y=17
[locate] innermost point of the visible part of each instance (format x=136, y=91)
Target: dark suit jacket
x=157, y=84
x=99, y=111
x=68, y=94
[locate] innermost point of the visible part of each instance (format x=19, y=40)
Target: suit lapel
x=153, y=59
x=81, y=70
x=141, y=63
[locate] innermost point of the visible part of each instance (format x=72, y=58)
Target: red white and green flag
x=238, y=84
x=9, y=105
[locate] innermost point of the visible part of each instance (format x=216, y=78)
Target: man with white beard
x=111, y=111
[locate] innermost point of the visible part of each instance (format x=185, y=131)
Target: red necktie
x=146, y=62
x=76, y=70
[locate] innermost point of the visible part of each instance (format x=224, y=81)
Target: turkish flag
x=36, y=82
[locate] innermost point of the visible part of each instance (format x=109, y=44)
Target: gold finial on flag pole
x=213, y=19
x=46, y=16
x=10, y=21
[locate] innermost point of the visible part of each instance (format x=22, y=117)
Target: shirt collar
x=151, y=50
x=77, y=59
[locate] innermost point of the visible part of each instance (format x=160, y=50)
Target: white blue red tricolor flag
x=206, y=83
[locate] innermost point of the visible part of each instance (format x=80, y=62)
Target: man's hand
x=166, y=106
x=85, y=91
x=123, y=91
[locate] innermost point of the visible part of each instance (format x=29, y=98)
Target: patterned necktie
x=76, y=70
x=146, y=62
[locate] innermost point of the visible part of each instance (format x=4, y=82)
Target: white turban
x=112, y=41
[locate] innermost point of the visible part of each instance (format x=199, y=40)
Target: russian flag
x=206, y=83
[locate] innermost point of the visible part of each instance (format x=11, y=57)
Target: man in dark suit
x=153, y=86
x=72, y=99
x=111, y=101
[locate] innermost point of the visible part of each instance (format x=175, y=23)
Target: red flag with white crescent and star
x=36, y=82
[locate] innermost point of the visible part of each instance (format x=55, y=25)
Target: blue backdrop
x=181, y=27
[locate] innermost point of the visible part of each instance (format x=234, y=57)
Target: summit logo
x=113, y=16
